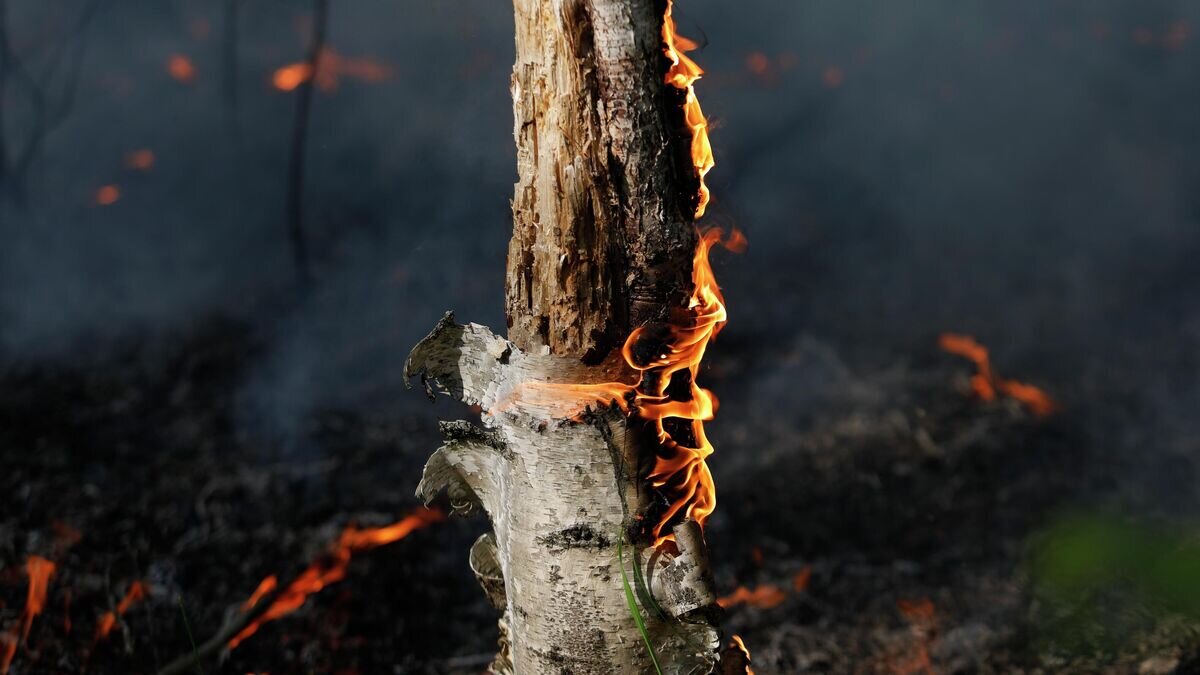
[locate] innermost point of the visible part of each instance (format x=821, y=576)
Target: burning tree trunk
x=590, y=460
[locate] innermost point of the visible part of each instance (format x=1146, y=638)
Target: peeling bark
x=560, y=494
x=603, y=242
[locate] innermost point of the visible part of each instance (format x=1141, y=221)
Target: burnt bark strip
x=602, y=228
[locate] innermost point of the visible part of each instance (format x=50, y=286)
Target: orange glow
x=833, y=77
x=680, y=471
x=923, y=621
x=801, y=580
x=39, y=570
x=140, y=160
x=108, y=195
x=986, y=383
x=758, y=63
x=765, y=596
x=741, y=646
x=136, y=593
x=181, y=68
x=329, y=570
x=330, y=67
x=683, y=74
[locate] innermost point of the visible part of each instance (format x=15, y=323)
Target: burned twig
x=236, y=618
x=294, y=214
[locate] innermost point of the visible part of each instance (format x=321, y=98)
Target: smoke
x=1020, y=170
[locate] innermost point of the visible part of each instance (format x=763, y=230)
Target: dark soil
x=911, y=505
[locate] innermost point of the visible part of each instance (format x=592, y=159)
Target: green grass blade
x=631, y=602
x=188, y=627
x=643, y=591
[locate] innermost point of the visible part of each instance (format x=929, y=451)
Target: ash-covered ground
x=1022, y=172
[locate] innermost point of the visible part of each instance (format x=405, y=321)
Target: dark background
x=1021, y=171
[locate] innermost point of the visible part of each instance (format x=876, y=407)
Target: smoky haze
x=1022, y=171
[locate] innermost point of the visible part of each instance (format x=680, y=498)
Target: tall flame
x=39, y=570
x=683, y=74
x=329, y=570
x=738, y=644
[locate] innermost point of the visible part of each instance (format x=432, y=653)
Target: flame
x=181, y=68
x=330, y=66
x=107, y=195
x=986, y=383
x=738, y=644
x=921, y=616
x=683, y=74
x=140, y=160
x=680, y=470
x=39, y=570
x=765, y=596
x=329, y=570
x=136, y=593
x=801, y=580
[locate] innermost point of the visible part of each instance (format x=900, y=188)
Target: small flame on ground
x=986, y=383
x=328, y=570
x=330, y=66
x=181, y=68
x=39, y=570
x=765, y=596
x=741, y=646
x=683, y=74
x=136, y=593
x=140, y=160
x=801, y=580
x=107, y=195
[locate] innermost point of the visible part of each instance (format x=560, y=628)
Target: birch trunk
x=602, y=243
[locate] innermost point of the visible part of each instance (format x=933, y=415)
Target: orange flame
x=683, y=74
x=329, y=570
x=330, y=66
x=181, y=68
x=741, y=646
x=39, y=570
x=801, y=579
x=765, y=596
x=680, y=470
x=986, y=383
x=136, y=593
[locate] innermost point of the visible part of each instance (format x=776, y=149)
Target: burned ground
x=912, y=506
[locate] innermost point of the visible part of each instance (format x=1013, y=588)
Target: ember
x=136, y=593
x=328, y=570
x=986, y=383
x=39, y=570
x=920, y=615
x=140, y=160
x=330, y=66
x=765, y=596
x=108, y=195
x=181, y=68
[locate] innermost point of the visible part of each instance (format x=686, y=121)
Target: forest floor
x=904, y=527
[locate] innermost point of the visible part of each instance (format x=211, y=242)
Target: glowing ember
x=921, y=617
x=986, y=383
x=741, y=646
x=140, y=160
x=39, y=570
x=108, y=195
x=329, y=570
x=683, y=74
x=330, y=66
x=801, y=580
x=136, y=593
x=765, y=596
x=181, y=68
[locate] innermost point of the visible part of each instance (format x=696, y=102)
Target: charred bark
x=603, y=242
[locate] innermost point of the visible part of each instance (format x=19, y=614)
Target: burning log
x=591, y=455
